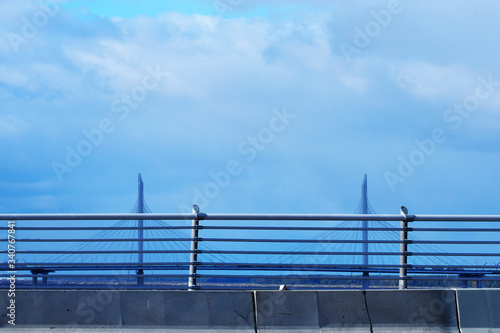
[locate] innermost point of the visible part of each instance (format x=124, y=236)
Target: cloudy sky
x=249, y=106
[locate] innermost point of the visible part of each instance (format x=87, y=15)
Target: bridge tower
x=364, y=210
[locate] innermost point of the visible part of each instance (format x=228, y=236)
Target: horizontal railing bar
x=239, y=264
x=457, y=218
x=100, y=228
x=376, y=270
x=95, y=217
x=478, y=267
x=99, y=240
x=95, y=276
x=208, y=267
x=252, y=217
x=209, y=228
x=457, y=229
x=201, y=263
x=448, y=278
x=220, y=217
x=133, y=264
x=206, y=239
x=457, y=242
x=446, y=254
x=268, y=277
x=198, y=276
x=304, y=217
x=277, y=228
x=348, y=277
x=168, y=227
x=451, y=254
x=202, y=252
x=95, y=252
x=353, y=217
x=252, y=240
x=479, y=254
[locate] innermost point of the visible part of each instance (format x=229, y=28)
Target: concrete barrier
x=287, y=311
x=412, y=310
x=312, y=311
x=479, y=310
x=341, y=311
x=130, y=310
x=245, y=311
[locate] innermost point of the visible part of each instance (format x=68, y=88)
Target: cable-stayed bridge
x=364, y=247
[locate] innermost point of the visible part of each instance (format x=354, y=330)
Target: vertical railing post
x=403, y=248
x=403, y=259
x=140, y=234
x=193, y=258
x=364, y=224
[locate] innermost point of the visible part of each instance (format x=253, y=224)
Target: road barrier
x=253, y=311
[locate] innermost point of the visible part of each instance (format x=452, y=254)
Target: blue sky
x=131, y=9
x=265, y=106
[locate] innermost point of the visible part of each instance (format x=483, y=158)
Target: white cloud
x=13, y=77
x=429, y=80
x=38, y=186
x=12, y=127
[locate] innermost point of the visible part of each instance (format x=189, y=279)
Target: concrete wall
x=131, y=310
x=357, y=311
x=246, y=311
x=479, y=310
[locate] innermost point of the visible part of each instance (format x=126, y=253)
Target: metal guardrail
x=260, y=259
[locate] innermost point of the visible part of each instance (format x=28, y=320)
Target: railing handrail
x=250, y=217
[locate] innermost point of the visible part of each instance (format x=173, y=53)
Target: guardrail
x=250, y=256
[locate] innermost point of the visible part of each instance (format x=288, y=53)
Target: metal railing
x=301, y=251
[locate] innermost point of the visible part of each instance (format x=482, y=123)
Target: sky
x=249, y=106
